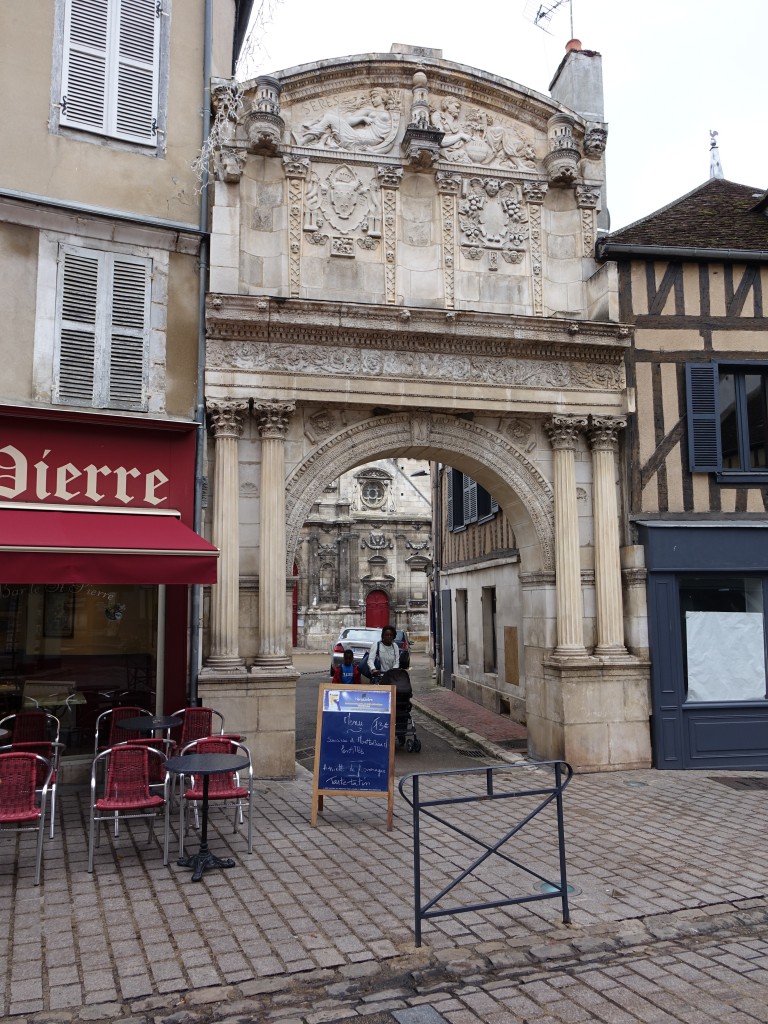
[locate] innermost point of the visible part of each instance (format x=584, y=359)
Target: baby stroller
x=405, y=730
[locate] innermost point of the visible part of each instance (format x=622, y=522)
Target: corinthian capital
x=603, y=432
x=226, y=417
x=273, y=417
x=563, y=431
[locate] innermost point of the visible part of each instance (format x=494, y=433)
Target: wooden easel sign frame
x=355, y=745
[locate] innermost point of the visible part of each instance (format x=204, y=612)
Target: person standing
x=384, y=654
x=347, y=673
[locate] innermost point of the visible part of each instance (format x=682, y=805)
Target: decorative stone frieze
x=506, y=371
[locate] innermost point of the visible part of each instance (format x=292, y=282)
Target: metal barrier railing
x=548, y=794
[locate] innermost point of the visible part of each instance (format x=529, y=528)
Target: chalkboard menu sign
x=354, y=746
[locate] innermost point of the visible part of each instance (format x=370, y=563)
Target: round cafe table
x=205, y=765
x=149, y=723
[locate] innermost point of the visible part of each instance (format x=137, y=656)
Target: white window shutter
x=130, y=296
x=111, y=65
x=135, y=73
x=78, y=323
x=84, y=78
x=103, y=329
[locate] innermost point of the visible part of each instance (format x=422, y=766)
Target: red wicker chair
x=49, y=753
x=225, y=786
x=196, y=724
x=107, y=722
x=32, y=726
x=126, y=792
x=156, y=765
x=18, y=811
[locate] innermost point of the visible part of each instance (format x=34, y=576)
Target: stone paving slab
x=644, y=850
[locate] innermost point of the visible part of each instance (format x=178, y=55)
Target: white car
x=360, y=639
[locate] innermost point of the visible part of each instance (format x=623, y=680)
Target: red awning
x=39, y=546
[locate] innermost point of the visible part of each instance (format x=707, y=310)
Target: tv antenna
x=540, y=12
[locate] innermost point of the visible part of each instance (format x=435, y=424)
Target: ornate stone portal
x=408, y=272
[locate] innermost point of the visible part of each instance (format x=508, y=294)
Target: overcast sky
x=672, y=70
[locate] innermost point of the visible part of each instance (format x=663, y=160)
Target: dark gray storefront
x=707, y=610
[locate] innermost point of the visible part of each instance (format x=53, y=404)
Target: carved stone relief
x=520, y=431
x=271, y=357
x=473, y=136
x=321, y=424
x=492, y=216
x=367, y=122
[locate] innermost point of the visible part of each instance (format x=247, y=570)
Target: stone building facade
x=363, y=554
x=402, y=266
x=103, y=234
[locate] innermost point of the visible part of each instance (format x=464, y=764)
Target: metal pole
x=195, y=612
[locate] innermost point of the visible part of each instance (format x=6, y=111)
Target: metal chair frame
x=55, y=763
x=99, y=815
x=52, y=723
x=35, y=813
x=135, y=710
x=235, y=747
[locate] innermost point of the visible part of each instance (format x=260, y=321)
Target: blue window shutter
x=704, y=450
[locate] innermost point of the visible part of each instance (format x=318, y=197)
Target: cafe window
x=77, y=650
x=723, y=628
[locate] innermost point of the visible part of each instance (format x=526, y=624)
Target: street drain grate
x=749, y=783
x=471, y=752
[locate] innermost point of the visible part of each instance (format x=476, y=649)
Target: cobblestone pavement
x=669, y=917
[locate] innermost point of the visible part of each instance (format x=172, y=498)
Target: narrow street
x=441, y=749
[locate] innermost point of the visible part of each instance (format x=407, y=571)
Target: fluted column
x=226, y=419
x=272, y=419
x=603, y=436
x=563, y=432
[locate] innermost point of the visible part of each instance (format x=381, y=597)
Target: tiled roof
x=719, y=214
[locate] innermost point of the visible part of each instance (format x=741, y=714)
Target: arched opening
x=506, y=610
x=377, y=609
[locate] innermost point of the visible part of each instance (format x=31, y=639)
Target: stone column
x=603, y=436
x=272, y=418
x=563, y=432
x=226, y=418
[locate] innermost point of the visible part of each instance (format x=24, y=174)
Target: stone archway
x=518, y=486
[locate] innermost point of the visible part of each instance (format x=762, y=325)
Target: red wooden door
x=377, y=609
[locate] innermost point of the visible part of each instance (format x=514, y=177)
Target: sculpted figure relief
x=369, y=123
x=473, y=138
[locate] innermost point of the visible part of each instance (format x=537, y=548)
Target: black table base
x=205, y=765
x=201, y=861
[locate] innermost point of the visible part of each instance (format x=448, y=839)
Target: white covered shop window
x=102, y=329
x=110, y=68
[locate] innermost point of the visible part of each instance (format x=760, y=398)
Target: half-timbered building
x=691, y=280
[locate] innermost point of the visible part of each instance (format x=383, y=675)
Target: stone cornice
x=430, y=331
x=395, y=71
